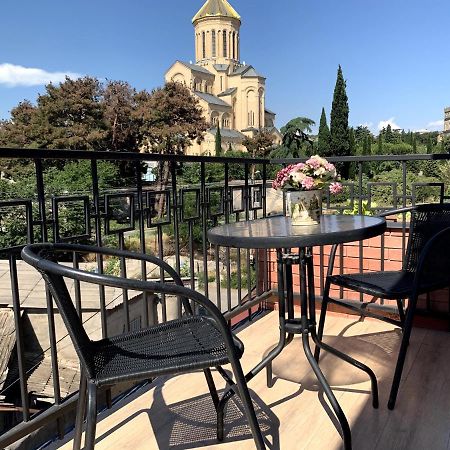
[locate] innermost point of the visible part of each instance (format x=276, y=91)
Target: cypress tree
x=218, y=141
x=414, y=144
x=429, y=145
x=324, y=138
x=352, y=141
x=340, y=140
x=380, y=144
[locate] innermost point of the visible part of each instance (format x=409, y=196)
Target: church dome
x=216, y=8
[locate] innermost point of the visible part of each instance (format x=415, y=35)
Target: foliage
x=340, y=141
x=361, y=134
x=365, y=210
x=235, y=280
x=383, y=194
x=324, y=138
x=169, y=118
x=191, y=173
x=259, y=145
x=296, y=141
x=75, y=177
x=446, y=144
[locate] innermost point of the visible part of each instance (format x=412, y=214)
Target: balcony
x=39, y=379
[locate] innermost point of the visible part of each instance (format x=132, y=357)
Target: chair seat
x=177, y=346
x=388, y=285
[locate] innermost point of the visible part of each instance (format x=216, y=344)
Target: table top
x=278, y=232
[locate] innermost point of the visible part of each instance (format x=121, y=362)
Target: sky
x=394, y=53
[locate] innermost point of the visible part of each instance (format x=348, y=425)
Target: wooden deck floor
x=176, y=413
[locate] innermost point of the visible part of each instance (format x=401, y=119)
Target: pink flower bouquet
x=316, y=173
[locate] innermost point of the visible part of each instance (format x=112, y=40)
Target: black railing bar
x=264, y=190
x=321, y=270
x=229, y=315
x=77, y=287
x=191, y=253
x=356, y=159
x=58, y=154
x=49, y=301
x=239, y=273
x=38, y=420
x=141, y=217
x=218, y=280
x=98, y=238
x=19, y=338
x=203, y=209
x=123, y=274
x=176, y=229
x=162, y=272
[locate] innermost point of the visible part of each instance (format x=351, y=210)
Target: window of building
x=234, y=45
x=204, y=44
x=225, y=44
x=213, y=37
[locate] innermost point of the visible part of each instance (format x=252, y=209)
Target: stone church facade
x=231, y=94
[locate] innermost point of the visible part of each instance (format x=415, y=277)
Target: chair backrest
x=426, y=222
x=433, y=271
x=58, y=288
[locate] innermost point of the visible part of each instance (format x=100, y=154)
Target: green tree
x=119, y=102
x=169, y=119
x=324, y=138
x=71, y=115
x=380, y=144
x=340, y=141
x=218, y=142
x=296, y=140
x=414, y=143
x=259, y=146
x=361, y=133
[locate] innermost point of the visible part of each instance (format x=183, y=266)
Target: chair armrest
x=39, y=255
x=391, y=212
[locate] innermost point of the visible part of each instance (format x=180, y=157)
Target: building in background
x=232, y=94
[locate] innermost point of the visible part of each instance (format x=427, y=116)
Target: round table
x=278, y=233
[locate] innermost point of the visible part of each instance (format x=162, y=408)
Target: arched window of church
x=213, y=37
x=225, y=44
x=204, y=44
x=234, y=45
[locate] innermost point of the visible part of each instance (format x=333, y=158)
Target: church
x=231, y=93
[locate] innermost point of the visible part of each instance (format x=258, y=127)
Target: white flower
x=320, y=171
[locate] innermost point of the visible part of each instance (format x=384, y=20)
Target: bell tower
x=217, y=27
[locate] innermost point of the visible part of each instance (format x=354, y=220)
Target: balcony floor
x=176, y=412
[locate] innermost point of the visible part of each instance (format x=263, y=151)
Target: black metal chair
x=190, y=343
x=425, y=224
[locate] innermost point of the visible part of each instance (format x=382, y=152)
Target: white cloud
x=385, y=123
x=436, y=125
x=12, y=75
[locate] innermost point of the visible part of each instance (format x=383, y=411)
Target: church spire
x=217, y=38
x=216, y=8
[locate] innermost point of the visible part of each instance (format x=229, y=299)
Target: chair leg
x=248, y=405
x=216, y=401
x=269, y=374
x=323, y=312
x=81, y=409
x=401, y=311
x=211, y=387
x=402, y=353
x=91, y=418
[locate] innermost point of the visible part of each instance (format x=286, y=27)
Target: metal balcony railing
x=171, y=220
